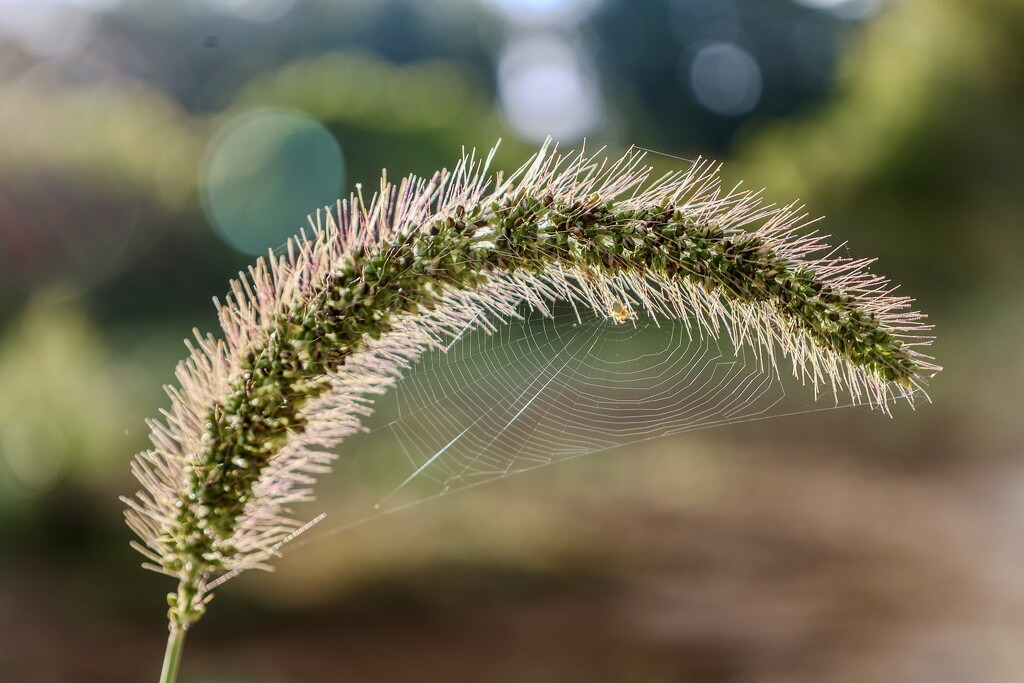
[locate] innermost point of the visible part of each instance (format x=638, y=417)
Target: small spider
x=620, y=314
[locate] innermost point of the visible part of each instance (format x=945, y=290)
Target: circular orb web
x=540, y=389
x=264, y=170
x=725, y=79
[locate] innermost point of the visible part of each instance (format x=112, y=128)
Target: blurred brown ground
x=760, y=568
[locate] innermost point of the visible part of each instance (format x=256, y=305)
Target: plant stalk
x=172, y=656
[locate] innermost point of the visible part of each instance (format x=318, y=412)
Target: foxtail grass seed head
x=312, y=334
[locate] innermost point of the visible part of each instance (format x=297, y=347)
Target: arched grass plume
x=310, y=335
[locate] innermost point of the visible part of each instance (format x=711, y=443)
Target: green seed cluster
x=362, y=297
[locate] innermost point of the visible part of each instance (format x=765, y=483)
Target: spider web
x=548, y=388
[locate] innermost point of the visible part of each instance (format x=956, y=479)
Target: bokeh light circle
x=545, y=12
x=725, y=79
x=35, y=454
x=47, y=29
x=546, y=89
x=263, y=171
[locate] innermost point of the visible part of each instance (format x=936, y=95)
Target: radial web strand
x=543, y=389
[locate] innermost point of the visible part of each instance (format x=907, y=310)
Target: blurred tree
x=918, y=146
x=917, y=158
x=67, y=413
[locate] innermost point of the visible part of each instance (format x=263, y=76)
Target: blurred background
x=149, y=149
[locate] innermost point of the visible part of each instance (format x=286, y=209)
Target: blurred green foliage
x=916, y=160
